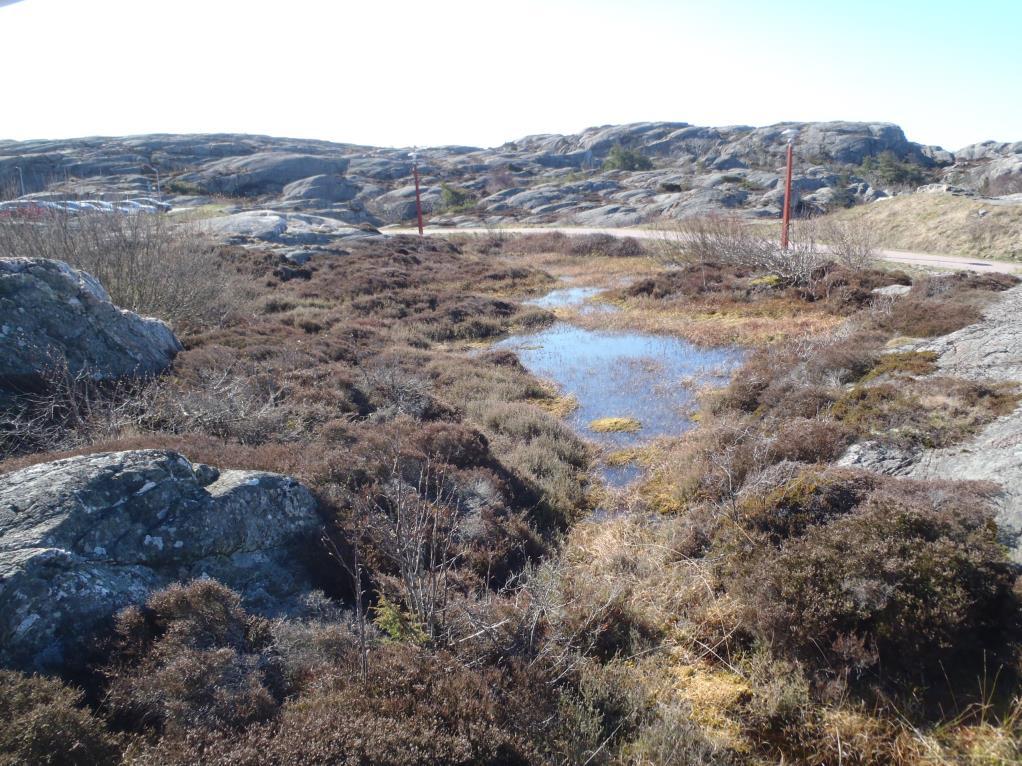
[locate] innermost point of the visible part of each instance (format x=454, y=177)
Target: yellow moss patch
x=615, y=425
x=662, y=495
x=716, y=697
x=622, y=457
x=900, y=340
x=558, y=406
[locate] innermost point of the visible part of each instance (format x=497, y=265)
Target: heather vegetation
x=747, y=602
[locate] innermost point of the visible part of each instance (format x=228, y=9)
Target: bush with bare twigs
x=731, y=241
x=147, y=262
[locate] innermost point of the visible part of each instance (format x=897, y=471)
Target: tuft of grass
x=615, y=425
x=558, y=406
x=931, y=412
x=903, y=363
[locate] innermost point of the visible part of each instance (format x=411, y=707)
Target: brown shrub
x=906, y=579
x=811, y=498
x=192, y=659
x=146, y=262
x=845, y=290
x=940, y=305
x=694, y=279
x=588, y=245
x=962, y=282
x=580, y=245
x=924, y=317
x=413, y=709
x=809, y=440
x=42, y=721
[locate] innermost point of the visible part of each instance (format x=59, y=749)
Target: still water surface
x=651, y=378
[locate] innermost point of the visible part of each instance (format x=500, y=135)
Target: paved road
x=931, y=260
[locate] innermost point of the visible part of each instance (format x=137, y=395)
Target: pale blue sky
x=396, y=72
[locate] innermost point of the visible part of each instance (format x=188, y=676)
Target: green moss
x=868, y=408
x=396, y=623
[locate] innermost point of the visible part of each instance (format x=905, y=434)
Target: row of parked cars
x=32, y=208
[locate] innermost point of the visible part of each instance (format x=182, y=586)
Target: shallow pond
x=650, y=378
x=565, y=297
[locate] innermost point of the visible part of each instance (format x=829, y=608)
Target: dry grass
x=730, y=611
x=935, y=222
x=615, y=425
x=723, y=323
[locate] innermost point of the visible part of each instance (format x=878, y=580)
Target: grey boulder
x=324, y=188
x=282, y=227
x=51, y=313
x=880, y=458
x=83, y=537
x=262, y=173
x=609, y=216
x=399, y=205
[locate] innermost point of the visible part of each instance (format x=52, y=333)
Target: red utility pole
x=787, y=202
x=418, y=198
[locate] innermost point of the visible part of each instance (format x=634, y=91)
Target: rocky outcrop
x=53, y=314
x=399, y=205
x=696, y=170
x=324, y=188
x=83, y=537
x=262, y=173
x=999, y=176
x=989, y=350
x=879, y=458
x=273, y=226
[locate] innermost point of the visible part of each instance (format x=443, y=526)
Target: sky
x=432, y=72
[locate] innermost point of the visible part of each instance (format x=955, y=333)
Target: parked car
x=131, y=206
x=22, y=209
x=106, y=207
x=161, y=206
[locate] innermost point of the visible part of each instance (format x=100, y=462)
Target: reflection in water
x=573, y=297
x=629, y=375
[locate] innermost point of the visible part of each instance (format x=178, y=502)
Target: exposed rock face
x=283, y=228
x=533, y=180
x=987, y=150
x=1002, y=175
x=399, y=205
x=50, y=311
x=262, y=173
x=83, y=537
x=879, y=457
x=990, y=350
x=325, y=188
